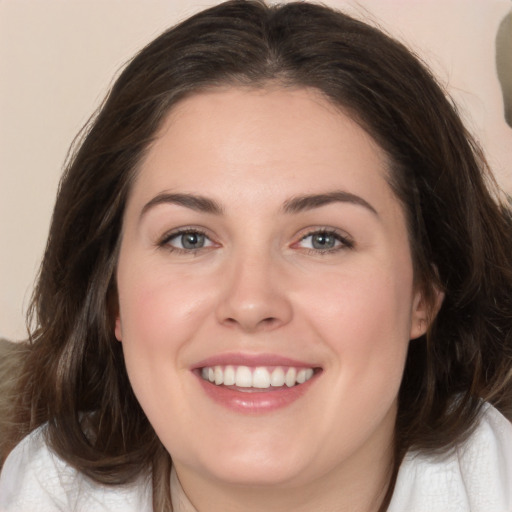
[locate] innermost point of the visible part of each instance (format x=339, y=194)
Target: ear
x=424, y=312
x=118, y=331
x=113, y=311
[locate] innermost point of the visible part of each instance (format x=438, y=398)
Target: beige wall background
x=58, y=58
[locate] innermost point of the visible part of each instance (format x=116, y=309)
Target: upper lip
x=252, y=360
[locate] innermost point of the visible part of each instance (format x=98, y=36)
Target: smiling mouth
x=246, y=378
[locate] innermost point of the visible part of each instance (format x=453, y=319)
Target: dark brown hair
x=460, y=232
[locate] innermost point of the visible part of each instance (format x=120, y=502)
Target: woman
x=278, y=278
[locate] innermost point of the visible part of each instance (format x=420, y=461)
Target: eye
x=186, y=240
x=325, y=241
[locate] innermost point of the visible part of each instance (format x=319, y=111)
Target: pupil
x=323, y=241
x=192, y=240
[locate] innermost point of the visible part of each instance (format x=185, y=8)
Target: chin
x=272, y=473
x=259, y=466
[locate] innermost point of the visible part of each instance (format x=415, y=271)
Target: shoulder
x=34, y=479
x=476, y=476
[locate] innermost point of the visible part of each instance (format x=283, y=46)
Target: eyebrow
x=294, y=205
x=194, y=202
x=311, y=201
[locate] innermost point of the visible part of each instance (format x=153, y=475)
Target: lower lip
x=256, y=401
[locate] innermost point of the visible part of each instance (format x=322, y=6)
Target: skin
x=260, y=286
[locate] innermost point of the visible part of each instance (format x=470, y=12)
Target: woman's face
x=263, y=249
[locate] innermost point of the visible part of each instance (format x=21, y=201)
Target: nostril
x=268, y=323
x=261, y=324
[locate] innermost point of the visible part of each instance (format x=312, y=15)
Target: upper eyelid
x=342, y=236
x=304, y=233
x=173, y=233
x=324, y=229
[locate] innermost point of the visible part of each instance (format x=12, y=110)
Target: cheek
x=362, y=301
x=365, y=319
x=159, y=316
x=160, y=312
x=159, y=306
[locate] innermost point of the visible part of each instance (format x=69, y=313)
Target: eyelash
x=166, y=239
x=345, y=242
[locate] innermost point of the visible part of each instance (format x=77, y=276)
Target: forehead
x=249, y=141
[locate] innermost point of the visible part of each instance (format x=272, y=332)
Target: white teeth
x=291, y=377
x=304, y=375
x=217, y=372
x=243, y=377
x=229, y=376
x=258, y=377
x=277, y=378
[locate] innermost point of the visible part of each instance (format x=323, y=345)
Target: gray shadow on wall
x=504, y=63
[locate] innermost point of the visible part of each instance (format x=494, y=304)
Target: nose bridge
x=253, y=295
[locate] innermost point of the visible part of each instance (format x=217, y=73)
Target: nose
x=254, y=296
